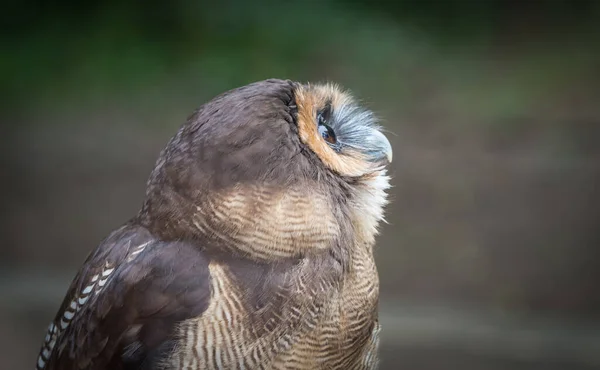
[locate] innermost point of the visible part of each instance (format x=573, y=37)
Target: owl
x=253, y=248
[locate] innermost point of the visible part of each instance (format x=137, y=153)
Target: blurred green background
x=490, y=259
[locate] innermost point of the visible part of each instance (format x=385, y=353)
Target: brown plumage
x=253, y=248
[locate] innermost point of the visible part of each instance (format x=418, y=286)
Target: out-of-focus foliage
x=116, y=46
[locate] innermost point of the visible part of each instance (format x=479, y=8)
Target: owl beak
x=380, y=147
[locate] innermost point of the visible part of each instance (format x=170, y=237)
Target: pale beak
x=379, y=146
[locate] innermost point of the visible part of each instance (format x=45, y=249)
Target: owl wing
x=122, y=307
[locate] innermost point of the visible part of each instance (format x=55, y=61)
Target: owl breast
x=342, y=333
x=347, y=336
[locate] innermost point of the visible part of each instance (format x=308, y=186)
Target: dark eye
x=327, y=133
x=324, y=129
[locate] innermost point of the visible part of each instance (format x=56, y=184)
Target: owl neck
x=262, y=223
x=368, y=201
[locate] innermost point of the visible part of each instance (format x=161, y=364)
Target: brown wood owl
x=253, y=248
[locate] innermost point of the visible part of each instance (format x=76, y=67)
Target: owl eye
x=327, y=133
x=325, y=130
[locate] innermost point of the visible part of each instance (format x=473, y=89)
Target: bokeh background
x=490, y=259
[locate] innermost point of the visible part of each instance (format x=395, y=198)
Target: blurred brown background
x=490, y=258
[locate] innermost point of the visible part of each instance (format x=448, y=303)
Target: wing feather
x=125, y=301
